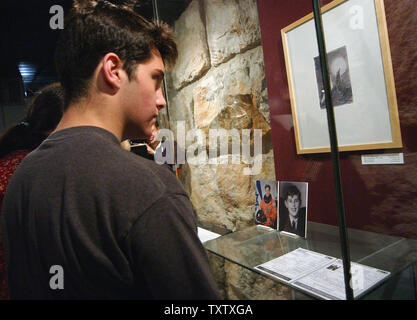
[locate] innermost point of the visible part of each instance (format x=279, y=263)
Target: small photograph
x=293, y=207
x=340, y=84
x=266, y=203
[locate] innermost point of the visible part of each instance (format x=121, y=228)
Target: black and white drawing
x=340, y=83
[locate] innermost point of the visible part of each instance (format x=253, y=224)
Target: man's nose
x=160, y=99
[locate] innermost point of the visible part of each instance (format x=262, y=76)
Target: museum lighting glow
x=27, y=71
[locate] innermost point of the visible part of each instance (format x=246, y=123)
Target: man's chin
x=295, y=215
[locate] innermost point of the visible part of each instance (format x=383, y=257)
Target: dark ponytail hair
x=42, y=117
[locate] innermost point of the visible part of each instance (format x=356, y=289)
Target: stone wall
x=238, y=283
x=219, y=83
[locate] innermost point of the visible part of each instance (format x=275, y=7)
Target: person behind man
x=85, y=219
x=292, y=219
x=269, y=208
x=152, y=142
x=146, y=147
x=42, y=116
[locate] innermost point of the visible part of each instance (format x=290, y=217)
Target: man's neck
x=91, y=112
x=293, y=218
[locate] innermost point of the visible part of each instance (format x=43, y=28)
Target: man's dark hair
x=94, y=28
x=268, y=186
x=291, y=192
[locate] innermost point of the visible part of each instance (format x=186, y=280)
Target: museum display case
x=256, y=245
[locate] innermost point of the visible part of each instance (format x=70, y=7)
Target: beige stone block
x=193, y=55
x=230, y=96
x=243, y=284
x=232, y=27
x=205, y=196
x=234, y=187
x=181, y=109
x=206, y=107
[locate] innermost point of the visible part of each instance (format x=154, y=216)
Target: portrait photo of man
x=293, y=208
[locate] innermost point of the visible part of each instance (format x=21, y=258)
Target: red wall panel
x=380, y=198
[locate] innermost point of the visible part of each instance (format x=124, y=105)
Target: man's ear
x=112, y=70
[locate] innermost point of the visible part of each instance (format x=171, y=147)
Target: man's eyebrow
x=160, y=73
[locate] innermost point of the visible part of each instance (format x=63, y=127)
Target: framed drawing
x=361, y=76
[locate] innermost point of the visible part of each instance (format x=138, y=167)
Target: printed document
x=294, y=264
x=329, y=283
x=321, y=275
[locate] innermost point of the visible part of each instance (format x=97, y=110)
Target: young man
x=83, y=218
x=293, y=219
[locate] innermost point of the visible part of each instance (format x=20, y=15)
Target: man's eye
x=158, y=81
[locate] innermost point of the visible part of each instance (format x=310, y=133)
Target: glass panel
x=257, y=245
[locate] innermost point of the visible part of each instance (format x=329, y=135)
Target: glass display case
x=256, y=245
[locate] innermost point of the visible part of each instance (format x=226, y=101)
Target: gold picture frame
x=360, y=68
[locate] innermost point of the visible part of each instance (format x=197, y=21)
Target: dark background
x=27, y=39
x=28, y=45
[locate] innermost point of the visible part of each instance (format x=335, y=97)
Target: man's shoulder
x=94, y=155
x=148, y=170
